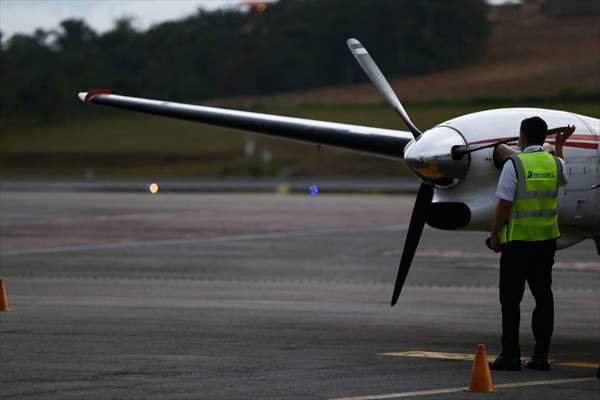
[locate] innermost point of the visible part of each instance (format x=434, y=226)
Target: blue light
x=313, y=190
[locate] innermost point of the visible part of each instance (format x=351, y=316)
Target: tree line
x=293, y=44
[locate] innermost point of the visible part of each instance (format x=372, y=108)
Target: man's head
x=533, y=131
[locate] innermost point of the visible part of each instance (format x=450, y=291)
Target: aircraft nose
x=430, y=156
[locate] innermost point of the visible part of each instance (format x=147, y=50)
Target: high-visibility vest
x=533, y=215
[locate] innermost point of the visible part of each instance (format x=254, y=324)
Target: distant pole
x=249, y=148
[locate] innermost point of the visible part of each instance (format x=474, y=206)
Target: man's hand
x=494, y=244
x=502, y=214
x=561, y=138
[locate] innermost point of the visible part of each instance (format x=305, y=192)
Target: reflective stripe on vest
x=533, y=214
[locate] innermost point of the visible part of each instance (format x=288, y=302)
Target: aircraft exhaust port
x=448, y=215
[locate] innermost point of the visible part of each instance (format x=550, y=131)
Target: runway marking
x=431, y=354
x=222, y=238
x=404, y=394
x=463, y=389
x=578, y=364
x=469, y=357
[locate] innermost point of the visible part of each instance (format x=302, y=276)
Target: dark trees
x=295, y=44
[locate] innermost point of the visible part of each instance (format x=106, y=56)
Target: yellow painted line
x=540, y=383
x=462, y=389
x=469, y=357
x=578, y=364
x=432, y=354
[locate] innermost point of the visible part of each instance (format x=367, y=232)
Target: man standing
x=525, y=229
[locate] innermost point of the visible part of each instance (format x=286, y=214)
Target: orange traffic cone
x=481, y=378
x=3, y=298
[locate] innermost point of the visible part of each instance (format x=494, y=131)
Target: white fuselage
x=579, y=207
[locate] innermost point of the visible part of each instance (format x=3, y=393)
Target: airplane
x=458, y=162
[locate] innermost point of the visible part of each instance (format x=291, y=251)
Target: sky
x=24, y=16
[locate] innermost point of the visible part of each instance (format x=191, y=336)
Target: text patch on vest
x=534, y=175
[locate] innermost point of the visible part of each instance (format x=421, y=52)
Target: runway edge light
x=481, y=377
x=3, y=298
x=153, y=188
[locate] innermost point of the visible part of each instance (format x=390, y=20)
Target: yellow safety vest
x=533, y=215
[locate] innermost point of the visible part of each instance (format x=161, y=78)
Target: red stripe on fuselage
x=591, y=138
x=582, y=145
x=485, y=141
x=580, y=137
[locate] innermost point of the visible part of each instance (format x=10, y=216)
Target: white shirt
x=507, y=184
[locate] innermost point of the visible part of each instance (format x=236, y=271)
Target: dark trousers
x=529, y=262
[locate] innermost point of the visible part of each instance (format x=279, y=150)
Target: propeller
x=425, y=194
x=374, y=73
x=436, y=158
x=415, y=228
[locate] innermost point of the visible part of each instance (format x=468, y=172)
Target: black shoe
x=539, y=363
x=506, y=363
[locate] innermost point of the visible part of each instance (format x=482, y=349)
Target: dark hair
x=535, y=130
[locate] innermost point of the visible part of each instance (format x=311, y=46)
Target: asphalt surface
x=402, y=184
x=213, y=296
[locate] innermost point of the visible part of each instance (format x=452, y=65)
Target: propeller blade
x=415, y=228
x=374, y=73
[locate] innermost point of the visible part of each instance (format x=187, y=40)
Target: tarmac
x=264, y=296
x=401, y=184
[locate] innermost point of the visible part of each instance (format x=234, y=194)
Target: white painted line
x=462, y=389
x=222, y=238
x=405, y=394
